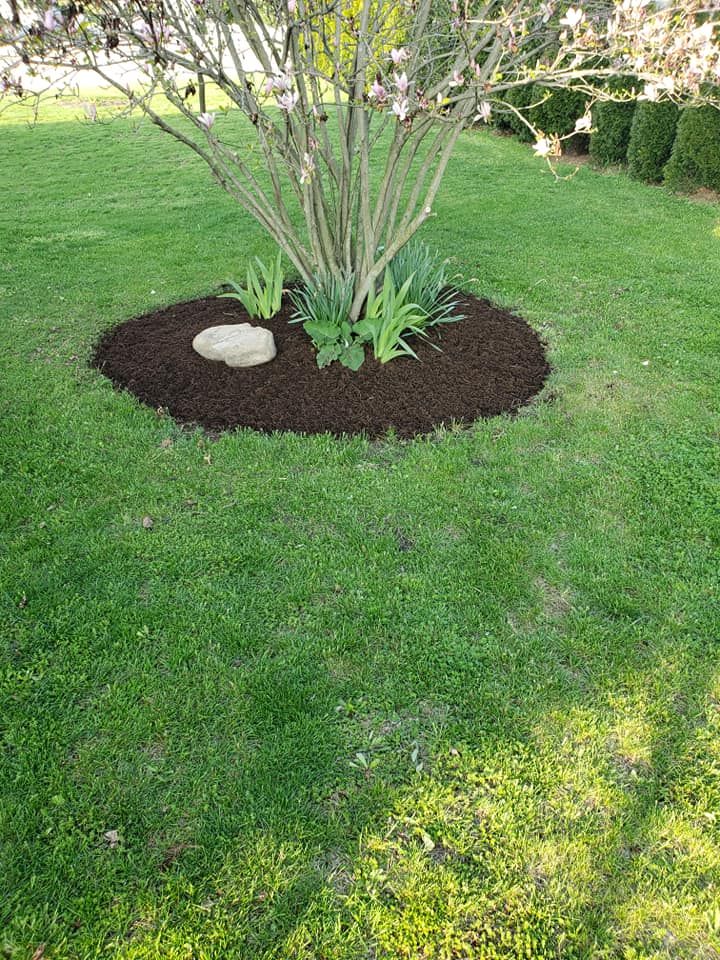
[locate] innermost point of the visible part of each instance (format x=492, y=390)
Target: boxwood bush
x=612, y=122
x=520, y=98
x=559, y=113
x=652, y=135
x=555, y=114
x=695, y=159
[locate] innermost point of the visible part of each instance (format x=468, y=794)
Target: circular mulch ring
x=491, y=362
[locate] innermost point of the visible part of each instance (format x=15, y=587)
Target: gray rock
x=238, y=344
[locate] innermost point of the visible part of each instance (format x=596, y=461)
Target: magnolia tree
x=353, y=107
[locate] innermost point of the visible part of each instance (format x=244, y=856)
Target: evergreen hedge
x=612, y=122
x=520, y=98
x=559, y=113
x=695, y=159
x=556, y=114
x=652, y=135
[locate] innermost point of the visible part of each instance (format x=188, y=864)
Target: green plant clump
x=651, y=140
x=428, y=286
x=323, y=308
x=612, y=121
x=262, y=298
x=389, y=318
x=695, y=159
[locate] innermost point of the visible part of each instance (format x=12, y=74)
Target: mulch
x=491, y=362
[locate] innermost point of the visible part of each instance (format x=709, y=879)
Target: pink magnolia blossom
x=401, y=108
x=399, y=56
x=52, y=19
x=286, y=101
x=145, y=33
x=402, y=83
x=207, y=120
x=378, y=92
x=484, y=112
x=292, y=7
x=457, y=79
x=283, y=83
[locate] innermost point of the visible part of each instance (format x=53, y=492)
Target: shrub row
x=651, y=140
x=658, y=141
x=678, y=146
x=695, y=158
x=552, y=111
x=612, y=123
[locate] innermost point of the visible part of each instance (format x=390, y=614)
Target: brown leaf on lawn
x=173, y=852
x=112, y=838
x=40, y=952
x=148, y=523
x=166, y=443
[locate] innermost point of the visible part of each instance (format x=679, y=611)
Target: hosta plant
x=323, y=308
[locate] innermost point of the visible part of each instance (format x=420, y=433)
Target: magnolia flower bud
x=401, y=108
x=484, y=112
x=399, y=56
x=287, y=101
x=52, y=19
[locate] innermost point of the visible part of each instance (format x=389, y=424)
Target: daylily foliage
x=355, y=107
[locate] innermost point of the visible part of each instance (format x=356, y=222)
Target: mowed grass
x=452, y=698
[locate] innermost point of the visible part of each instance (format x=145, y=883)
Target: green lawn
x=454, y=698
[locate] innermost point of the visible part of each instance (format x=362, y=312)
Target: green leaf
x=327, y=354
x=353, y=356
x=320, y=332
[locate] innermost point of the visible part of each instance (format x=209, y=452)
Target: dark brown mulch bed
x=491, y=362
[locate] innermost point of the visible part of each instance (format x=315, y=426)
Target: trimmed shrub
x=651, y=140
x=559, y=113
x=520, y=98
x=612, y=122
x=695, y=159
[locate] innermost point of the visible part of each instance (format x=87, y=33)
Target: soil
x=491, y=362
